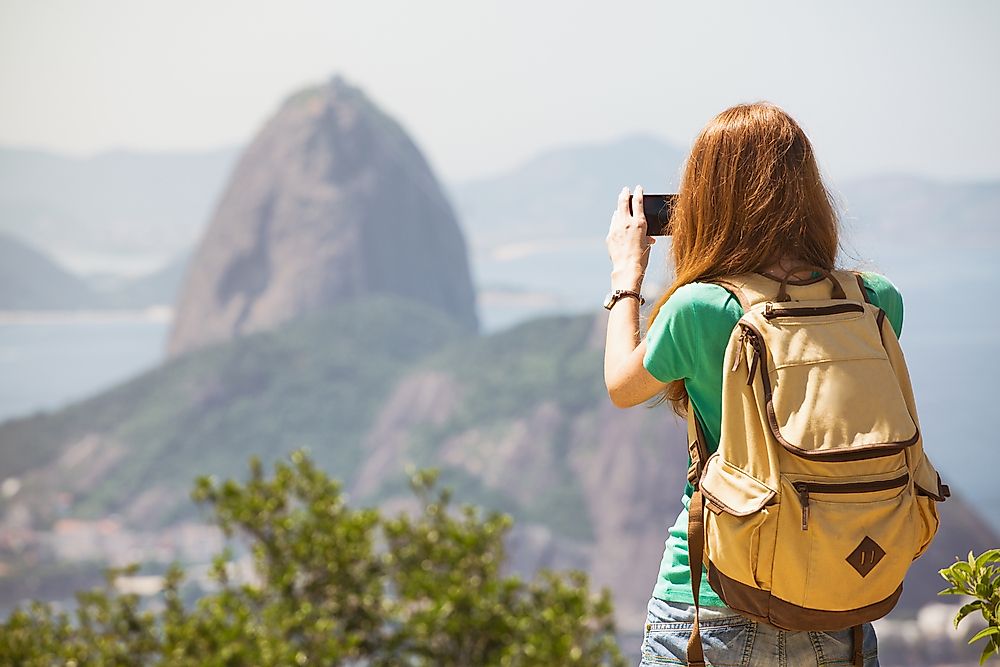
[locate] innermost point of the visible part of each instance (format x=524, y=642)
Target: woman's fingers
x=623, y=200
x=637, y=212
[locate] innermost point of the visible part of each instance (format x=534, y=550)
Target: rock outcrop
x=331, y=201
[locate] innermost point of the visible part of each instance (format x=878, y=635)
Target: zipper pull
x=803, y=490
x=753, y=363
x=739, y=353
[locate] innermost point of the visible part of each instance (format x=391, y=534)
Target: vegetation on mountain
x=333, y=585
x=316, y=383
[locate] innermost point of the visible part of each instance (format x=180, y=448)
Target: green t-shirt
x=688, y=340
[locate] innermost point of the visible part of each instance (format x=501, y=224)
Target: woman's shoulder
x=877, y=282
x=880, y=286
x=701, y=294
x=883, y=293
x=703, y=300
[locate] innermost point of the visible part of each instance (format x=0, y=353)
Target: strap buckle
x=694, y=472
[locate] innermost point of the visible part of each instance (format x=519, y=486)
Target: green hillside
x=315, y=383
x=503, y=378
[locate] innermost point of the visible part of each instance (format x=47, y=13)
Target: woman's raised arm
x=627, y=380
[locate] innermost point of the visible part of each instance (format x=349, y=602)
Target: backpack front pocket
x=818, y=384
x=844, y=541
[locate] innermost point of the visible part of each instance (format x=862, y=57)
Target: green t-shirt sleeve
x=884, y=294
x=692, y=324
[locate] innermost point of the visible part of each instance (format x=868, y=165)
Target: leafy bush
x=978, y=577
x=334, y=585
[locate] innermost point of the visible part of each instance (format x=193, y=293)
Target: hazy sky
x=901, y=86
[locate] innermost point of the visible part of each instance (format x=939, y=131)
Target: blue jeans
x=732, y=640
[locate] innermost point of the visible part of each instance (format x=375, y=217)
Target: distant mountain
x=160, y=287
x=31, y=280
x=565, y=193
x=332, y=200
x=900, y=208
x=518, y=420
x=540, y=227
x=139, y=209
x=930, y=234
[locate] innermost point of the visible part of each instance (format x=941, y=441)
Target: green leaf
x=985, y=632
x=990, y=650
x=990, y=556
x=966, y=610
x=963, y=568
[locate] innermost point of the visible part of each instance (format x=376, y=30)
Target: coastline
x=160, y=314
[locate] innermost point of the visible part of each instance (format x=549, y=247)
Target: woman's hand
x=628, y=245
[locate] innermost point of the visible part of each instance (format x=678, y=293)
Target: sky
x=482, y=86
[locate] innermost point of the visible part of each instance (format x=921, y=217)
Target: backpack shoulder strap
x=753, y=287
x=698, y=449
x=861, y=286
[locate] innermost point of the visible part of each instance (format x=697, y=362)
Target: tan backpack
x=820, y=495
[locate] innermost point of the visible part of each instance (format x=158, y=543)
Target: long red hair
x=750, y=193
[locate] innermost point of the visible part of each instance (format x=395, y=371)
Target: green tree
x=334, y=585
x=978, y=577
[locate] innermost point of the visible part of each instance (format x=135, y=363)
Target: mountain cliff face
x=330, y=202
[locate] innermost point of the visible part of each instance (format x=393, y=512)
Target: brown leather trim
x=921, y=491
x=696, y=552
x=736, y=291
x=771, y=311
x=729, y=510
x=861, y=286
x=855, y=487
x=872, y=451
x=804, y=281
x=878, y=320
x=837, y=289
x=942, y=492
x=698, y=450
x=760, y=605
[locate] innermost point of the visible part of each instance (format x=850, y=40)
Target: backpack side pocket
x=741, y=523
x=929, y=492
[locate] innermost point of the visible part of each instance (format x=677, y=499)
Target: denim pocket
x=837, y=648
x=727, y=642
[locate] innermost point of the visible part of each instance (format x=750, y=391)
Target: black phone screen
x=658, y=208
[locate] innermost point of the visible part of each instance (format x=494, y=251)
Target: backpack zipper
x=750, y=335
x=804, y=489
x=771, y=310
x=739, y=356
x=739, y=353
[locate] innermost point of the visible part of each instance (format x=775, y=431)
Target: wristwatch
x=612, y=297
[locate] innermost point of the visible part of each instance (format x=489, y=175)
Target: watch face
x=609, y=300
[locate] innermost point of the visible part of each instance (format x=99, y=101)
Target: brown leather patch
x=866, y=556
x=762, y=606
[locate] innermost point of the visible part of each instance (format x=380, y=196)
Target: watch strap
x=622, y=293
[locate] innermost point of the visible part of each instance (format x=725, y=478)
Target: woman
x=751, y=199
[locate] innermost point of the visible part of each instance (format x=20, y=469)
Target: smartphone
x=658, y=209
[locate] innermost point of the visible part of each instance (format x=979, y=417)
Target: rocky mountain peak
x=330, y=202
